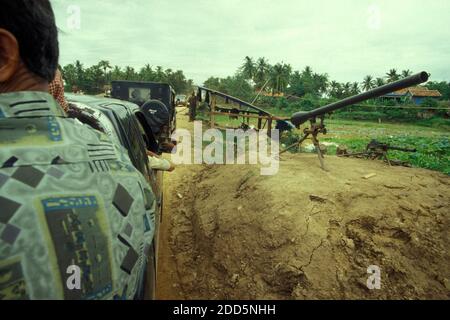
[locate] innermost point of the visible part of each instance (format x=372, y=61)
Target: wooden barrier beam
x=248, y=116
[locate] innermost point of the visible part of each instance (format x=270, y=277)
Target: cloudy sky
x=347, y=39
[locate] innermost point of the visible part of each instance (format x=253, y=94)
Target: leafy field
x=431, y=138
x=432, y=144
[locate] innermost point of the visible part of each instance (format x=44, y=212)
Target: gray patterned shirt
x=70, y=199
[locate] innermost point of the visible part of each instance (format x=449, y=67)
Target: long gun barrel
x=375, y=145
x=401, y=149
x=301, y=117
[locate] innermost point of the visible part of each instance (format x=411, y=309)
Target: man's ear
x=9, y=55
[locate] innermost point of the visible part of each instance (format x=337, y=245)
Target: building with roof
x=414, y=94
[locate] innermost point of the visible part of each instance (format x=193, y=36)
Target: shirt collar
x=25, y=104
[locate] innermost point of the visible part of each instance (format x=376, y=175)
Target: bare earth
x=229, y=233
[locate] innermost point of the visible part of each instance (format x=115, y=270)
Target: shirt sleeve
x=159, y=164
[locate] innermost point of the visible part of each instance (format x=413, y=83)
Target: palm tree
x=70, y=74
x=320, y=82
x=355, y=88
x=406, y=73
x=261, y=72
x=130, y=74
x=160, y=75
x=307, y=72
x=347, y=88
x=279, y=77
x=392, y=75
x=116, y=73
x=335, y=89
x=380, y=82
x=146, y=73
x=104, y=65
x=248, y=68
x=367, y=83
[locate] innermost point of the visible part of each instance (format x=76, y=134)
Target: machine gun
x=377, y=150
x=316, y=117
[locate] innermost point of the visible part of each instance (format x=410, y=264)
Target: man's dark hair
x=32, y=22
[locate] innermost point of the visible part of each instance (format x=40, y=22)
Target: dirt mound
x=306, y=233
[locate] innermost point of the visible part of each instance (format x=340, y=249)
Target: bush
x=282, y=103
x=361, y=115
x=435, y=122
x=307, y=104
x=429, y=103
x=391, y=103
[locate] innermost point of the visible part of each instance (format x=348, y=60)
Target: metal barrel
x=301, y=117
x=402, y=149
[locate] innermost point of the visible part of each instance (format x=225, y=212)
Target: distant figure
x=56, y=89
x=192, y=106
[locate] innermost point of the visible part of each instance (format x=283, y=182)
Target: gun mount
x=317, y=117
x=377, y=150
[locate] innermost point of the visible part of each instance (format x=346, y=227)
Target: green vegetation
x=283, y=91
x=433, y=145
x=93, y=80
x=432, y=152
x=280, y=79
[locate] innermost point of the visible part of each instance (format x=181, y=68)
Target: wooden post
x=213, y=110
x=269, y=132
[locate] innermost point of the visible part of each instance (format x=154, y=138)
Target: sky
x=347, y=39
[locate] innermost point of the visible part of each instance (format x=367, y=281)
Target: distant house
x=414, y=94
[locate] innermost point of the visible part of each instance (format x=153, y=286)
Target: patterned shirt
x=70, y=200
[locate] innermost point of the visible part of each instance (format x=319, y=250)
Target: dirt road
x=168, y=283
x=229, y=233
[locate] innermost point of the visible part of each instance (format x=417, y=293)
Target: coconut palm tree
x=321, y=83
x=307, y=72
x=129, y=73
x=380, y=82
x=355, y=88
x=146, y=73
x=367, y=83
x=406, y=73
x=104, y=65
x=335, y=89
x=262, y=68
x=347, y=88
x=392, y=75
x=116, y=73
x=70, y=74
x=248, y=68
x=279, y=77
x=160, y=75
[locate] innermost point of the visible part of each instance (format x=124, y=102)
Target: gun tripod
x=379, y=151
x=314, y=130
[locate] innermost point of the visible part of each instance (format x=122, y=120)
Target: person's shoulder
x=28, y=104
